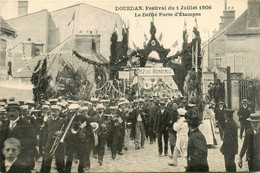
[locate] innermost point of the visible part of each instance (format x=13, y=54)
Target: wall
x=246, y=45
x=88, y=18
x=34, y=26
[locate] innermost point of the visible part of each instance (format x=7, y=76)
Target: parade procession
x=129, y=87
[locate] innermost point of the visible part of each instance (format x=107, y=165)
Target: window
x=3, y=52
x=235, y=61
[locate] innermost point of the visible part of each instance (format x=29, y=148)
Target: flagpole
x=73, y=25
x=196, y=57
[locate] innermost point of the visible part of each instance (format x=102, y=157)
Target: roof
x=23, y=68
x=239, y=26
x=5, y=27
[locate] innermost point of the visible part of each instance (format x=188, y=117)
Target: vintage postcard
x=129, y=85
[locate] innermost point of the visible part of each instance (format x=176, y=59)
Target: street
x=147, y=160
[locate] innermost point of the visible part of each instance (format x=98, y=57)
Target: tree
x=40, y=79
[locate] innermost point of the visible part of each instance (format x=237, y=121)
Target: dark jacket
x=24, y=132
x=142, y=112
x=243, y=113
x=230, y=140
x=161, y=123
x=17, y=167
x=51, y=127
x=197, y=152
x=251, y=146
x=172, y=118
x=220, y=117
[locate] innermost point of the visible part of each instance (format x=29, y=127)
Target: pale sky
x=170, y=27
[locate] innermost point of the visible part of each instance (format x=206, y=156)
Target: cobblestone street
x=147, y=160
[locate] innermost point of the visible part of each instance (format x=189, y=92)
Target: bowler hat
x=254, y=117
x=229, y=112
x=193, y=120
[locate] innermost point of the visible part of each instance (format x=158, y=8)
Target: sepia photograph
x=129, y=86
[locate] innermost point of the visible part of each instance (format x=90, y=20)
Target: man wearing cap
x=243, y=113
x=161, y=128
x=84, y=139
x=251, y=144
x=121, y=120
x=197, y=151
x=139, y=123
x=20, y=129
x=220, y=118
x=152, y=109
x=102, y=133
x=54, y=128
x=229, y=146
x=71, y=139
x=92, y=109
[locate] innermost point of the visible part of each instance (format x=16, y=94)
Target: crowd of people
x=70, y=130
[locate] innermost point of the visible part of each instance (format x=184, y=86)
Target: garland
x=125, y=58
x=100, y=64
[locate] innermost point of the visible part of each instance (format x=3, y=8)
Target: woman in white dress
x=207, y=126
x=182, y=129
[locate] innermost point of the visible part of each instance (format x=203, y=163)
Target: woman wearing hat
x=251, y=144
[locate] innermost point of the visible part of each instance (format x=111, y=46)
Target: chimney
x=253, y=14
x=28, y=48
x=228, y=17
x=86, y=42
x=22, y=7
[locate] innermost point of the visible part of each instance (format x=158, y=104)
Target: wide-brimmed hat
x=254, y=117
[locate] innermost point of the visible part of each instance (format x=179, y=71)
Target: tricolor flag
x=115, y=28
x=175, y=44
x=134, y=46
x=145, y=37
x=196, y=23
x=72, y=19
x=160, y=37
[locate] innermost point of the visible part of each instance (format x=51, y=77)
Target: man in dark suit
x=229, y=147
x=172, y=118
x=12, y=164
x=220, y=118
x=161, y=128
x=243, y=113
x=197, y=147
x=20, y=129
x=251, y=145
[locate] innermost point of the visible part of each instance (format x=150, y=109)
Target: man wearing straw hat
x=251, y=144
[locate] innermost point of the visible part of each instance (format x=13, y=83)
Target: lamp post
x=217, y=61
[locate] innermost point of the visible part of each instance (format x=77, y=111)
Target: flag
x=185, y=25
x=134, y=46
x=196, y=23
x=185, y=33
x=145, y=37
x=175, y=44
x=160, y=37
x=115, y=28
x=72, y=19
